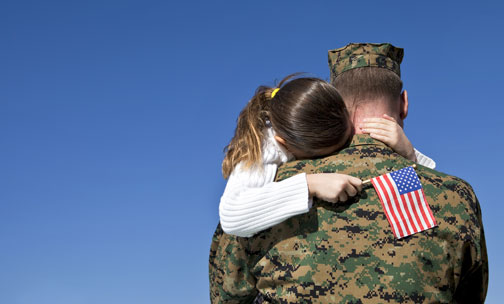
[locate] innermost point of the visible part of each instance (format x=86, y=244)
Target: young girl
x=301, y=118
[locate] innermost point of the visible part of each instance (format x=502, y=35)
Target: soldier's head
x=308, y=116
x=367, y=76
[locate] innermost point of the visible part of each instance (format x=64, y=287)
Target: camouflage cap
x=358, y=55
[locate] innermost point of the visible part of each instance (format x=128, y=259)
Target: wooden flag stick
x=368, y=181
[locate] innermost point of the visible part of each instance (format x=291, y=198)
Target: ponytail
x=246, y=144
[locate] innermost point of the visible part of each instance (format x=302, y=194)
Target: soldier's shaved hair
x=367, y=84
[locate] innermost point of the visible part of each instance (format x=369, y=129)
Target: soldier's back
x=347, y=253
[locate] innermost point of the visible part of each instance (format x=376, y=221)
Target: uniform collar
x=365, y=140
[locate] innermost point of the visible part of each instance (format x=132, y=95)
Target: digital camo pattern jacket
x=346, y=253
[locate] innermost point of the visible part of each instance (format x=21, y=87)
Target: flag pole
x=368, y=181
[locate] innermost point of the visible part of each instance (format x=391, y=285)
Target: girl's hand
x=387, y=130
x=333, y=187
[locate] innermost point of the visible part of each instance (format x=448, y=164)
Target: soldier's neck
x=369, y=110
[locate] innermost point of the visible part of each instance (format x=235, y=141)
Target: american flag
x=403, y=200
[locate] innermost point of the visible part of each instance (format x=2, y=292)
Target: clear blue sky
x=114, y=115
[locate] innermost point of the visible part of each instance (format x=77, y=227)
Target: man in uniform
x=347, y=253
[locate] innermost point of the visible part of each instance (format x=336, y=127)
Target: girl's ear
x=296, y=153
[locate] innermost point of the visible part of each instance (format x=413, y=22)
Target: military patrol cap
x=358, y=55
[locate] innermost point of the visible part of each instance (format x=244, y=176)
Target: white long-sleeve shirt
x=253, y=202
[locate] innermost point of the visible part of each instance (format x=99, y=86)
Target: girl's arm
x=387, y=130
x=253, y=202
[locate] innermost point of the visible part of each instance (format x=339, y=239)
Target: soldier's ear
x=404, y=105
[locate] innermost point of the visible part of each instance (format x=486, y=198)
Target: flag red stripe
x=385, y=201
x=432, y=219
x=404, y=208
x=422, y=208
x=414, y=218
x=418, y=202
x=384, y=204
x=392, y=208
x=415, y=208
x=398, y=204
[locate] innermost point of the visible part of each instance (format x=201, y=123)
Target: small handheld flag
x=403, y=200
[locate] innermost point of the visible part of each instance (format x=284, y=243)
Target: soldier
x=347, y=253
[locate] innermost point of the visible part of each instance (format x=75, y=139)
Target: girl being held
x=301, y=118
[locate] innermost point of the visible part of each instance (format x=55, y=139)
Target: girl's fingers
x=382, y=132
x=379, y=137
x=350, y=189
x=342, y=196
x=390, y=118
x=355, y=182
x=332, y=200
x=378, y=125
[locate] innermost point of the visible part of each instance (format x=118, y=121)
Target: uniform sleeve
x=473, y=284
x=231, y=280
x=252, y=202
x=424, y=160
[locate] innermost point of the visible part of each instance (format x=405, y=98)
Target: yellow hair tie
x=274, y=92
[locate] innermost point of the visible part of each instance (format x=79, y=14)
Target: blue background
x=114, y=116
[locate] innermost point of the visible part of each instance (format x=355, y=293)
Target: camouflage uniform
x=346, y=253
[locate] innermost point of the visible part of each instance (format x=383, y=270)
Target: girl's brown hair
x=308, y=113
